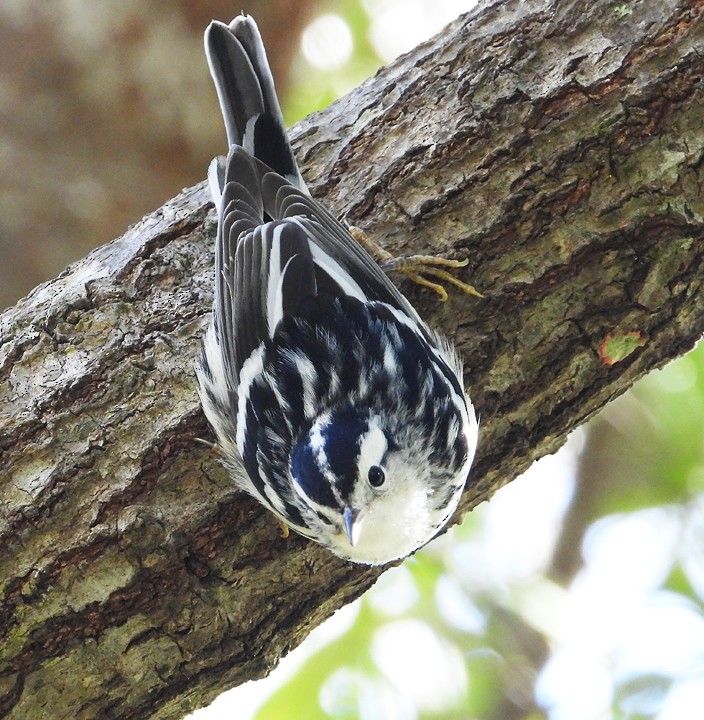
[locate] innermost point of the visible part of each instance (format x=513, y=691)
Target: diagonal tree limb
x=558, y=145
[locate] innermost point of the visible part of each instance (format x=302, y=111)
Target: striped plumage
x=346, y=410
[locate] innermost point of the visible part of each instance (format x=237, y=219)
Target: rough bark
x=557, y=144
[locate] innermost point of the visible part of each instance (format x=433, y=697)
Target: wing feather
x=277, y=248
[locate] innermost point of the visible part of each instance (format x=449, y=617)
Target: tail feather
x=216, y=180
x=248, y=100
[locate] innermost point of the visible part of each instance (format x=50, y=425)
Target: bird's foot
x=416, y=267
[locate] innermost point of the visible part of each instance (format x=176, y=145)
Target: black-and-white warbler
x=346, y=410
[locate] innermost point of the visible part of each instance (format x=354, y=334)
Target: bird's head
x=377, y=489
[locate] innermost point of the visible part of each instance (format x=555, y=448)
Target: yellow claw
x=414, y=267
x=284, y=530
x=420, y=280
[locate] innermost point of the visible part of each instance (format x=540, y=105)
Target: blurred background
x=107, y=110
x=577, y=593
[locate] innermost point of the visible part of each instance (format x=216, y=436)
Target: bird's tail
x=248, y=100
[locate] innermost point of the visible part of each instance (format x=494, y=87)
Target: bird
x=346, y=411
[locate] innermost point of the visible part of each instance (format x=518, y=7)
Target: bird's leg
x=415, y=267
x=213, y=447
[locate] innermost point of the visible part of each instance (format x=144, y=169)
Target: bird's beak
x=350, y=517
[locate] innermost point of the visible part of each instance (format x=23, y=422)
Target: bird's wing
x=278, y=249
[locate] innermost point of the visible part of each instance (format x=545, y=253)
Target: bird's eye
x=376, y=476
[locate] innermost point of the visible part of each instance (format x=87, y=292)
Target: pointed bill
x=350, y=516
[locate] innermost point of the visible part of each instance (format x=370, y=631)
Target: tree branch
x=556, y=144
